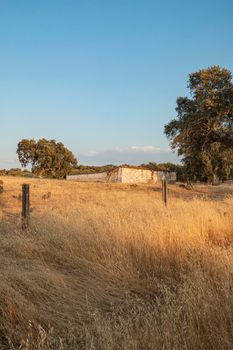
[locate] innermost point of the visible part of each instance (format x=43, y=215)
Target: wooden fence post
x=25, y=205
x=164, y=190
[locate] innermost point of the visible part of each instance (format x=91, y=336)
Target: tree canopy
x=202, y=132
x=46, y=157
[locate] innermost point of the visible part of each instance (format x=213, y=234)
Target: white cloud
x=9, y=162
x=146, y=149
x=131, y=155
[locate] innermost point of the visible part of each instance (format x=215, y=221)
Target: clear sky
x=103, y=76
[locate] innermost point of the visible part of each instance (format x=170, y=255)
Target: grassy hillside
x=108, y=267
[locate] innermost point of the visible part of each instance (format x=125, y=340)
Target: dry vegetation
x=108, y=267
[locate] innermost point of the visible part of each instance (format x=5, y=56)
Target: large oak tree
x=46, y=157
x=202, y=131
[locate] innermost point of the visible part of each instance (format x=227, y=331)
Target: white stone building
x=125, y=175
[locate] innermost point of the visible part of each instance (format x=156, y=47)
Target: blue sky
x=103, y=76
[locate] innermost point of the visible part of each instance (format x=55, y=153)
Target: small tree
x=46, y=157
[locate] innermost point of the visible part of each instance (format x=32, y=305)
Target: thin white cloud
x=9, y=161
x=130, y=155
x=145, y=149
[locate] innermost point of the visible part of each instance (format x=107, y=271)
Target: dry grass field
x=107, y=266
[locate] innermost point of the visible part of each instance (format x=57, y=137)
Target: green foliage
x=151, y=166
x=86, y=169
x=46, y=157
x=202, y=132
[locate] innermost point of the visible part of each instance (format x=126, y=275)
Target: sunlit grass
x=109, y=267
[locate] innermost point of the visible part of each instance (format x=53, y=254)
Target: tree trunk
x=215, y=179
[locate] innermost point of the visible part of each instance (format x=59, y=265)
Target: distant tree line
x=16, y=172
x=90, y=169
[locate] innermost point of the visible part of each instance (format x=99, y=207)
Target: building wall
x=131, y=175
x=125, y=175
x=169, y=176
x=112, y=176
x=115, y=175
x=99, y=177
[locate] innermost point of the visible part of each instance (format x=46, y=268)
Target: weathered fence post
x=164, y=190
x=25, y=205
x=1, y=186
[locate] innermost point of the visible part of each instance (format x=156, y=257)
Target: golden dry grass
x=106, y=266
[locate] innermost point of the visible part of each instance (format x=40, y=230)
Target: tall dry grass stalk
x=109, y=268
